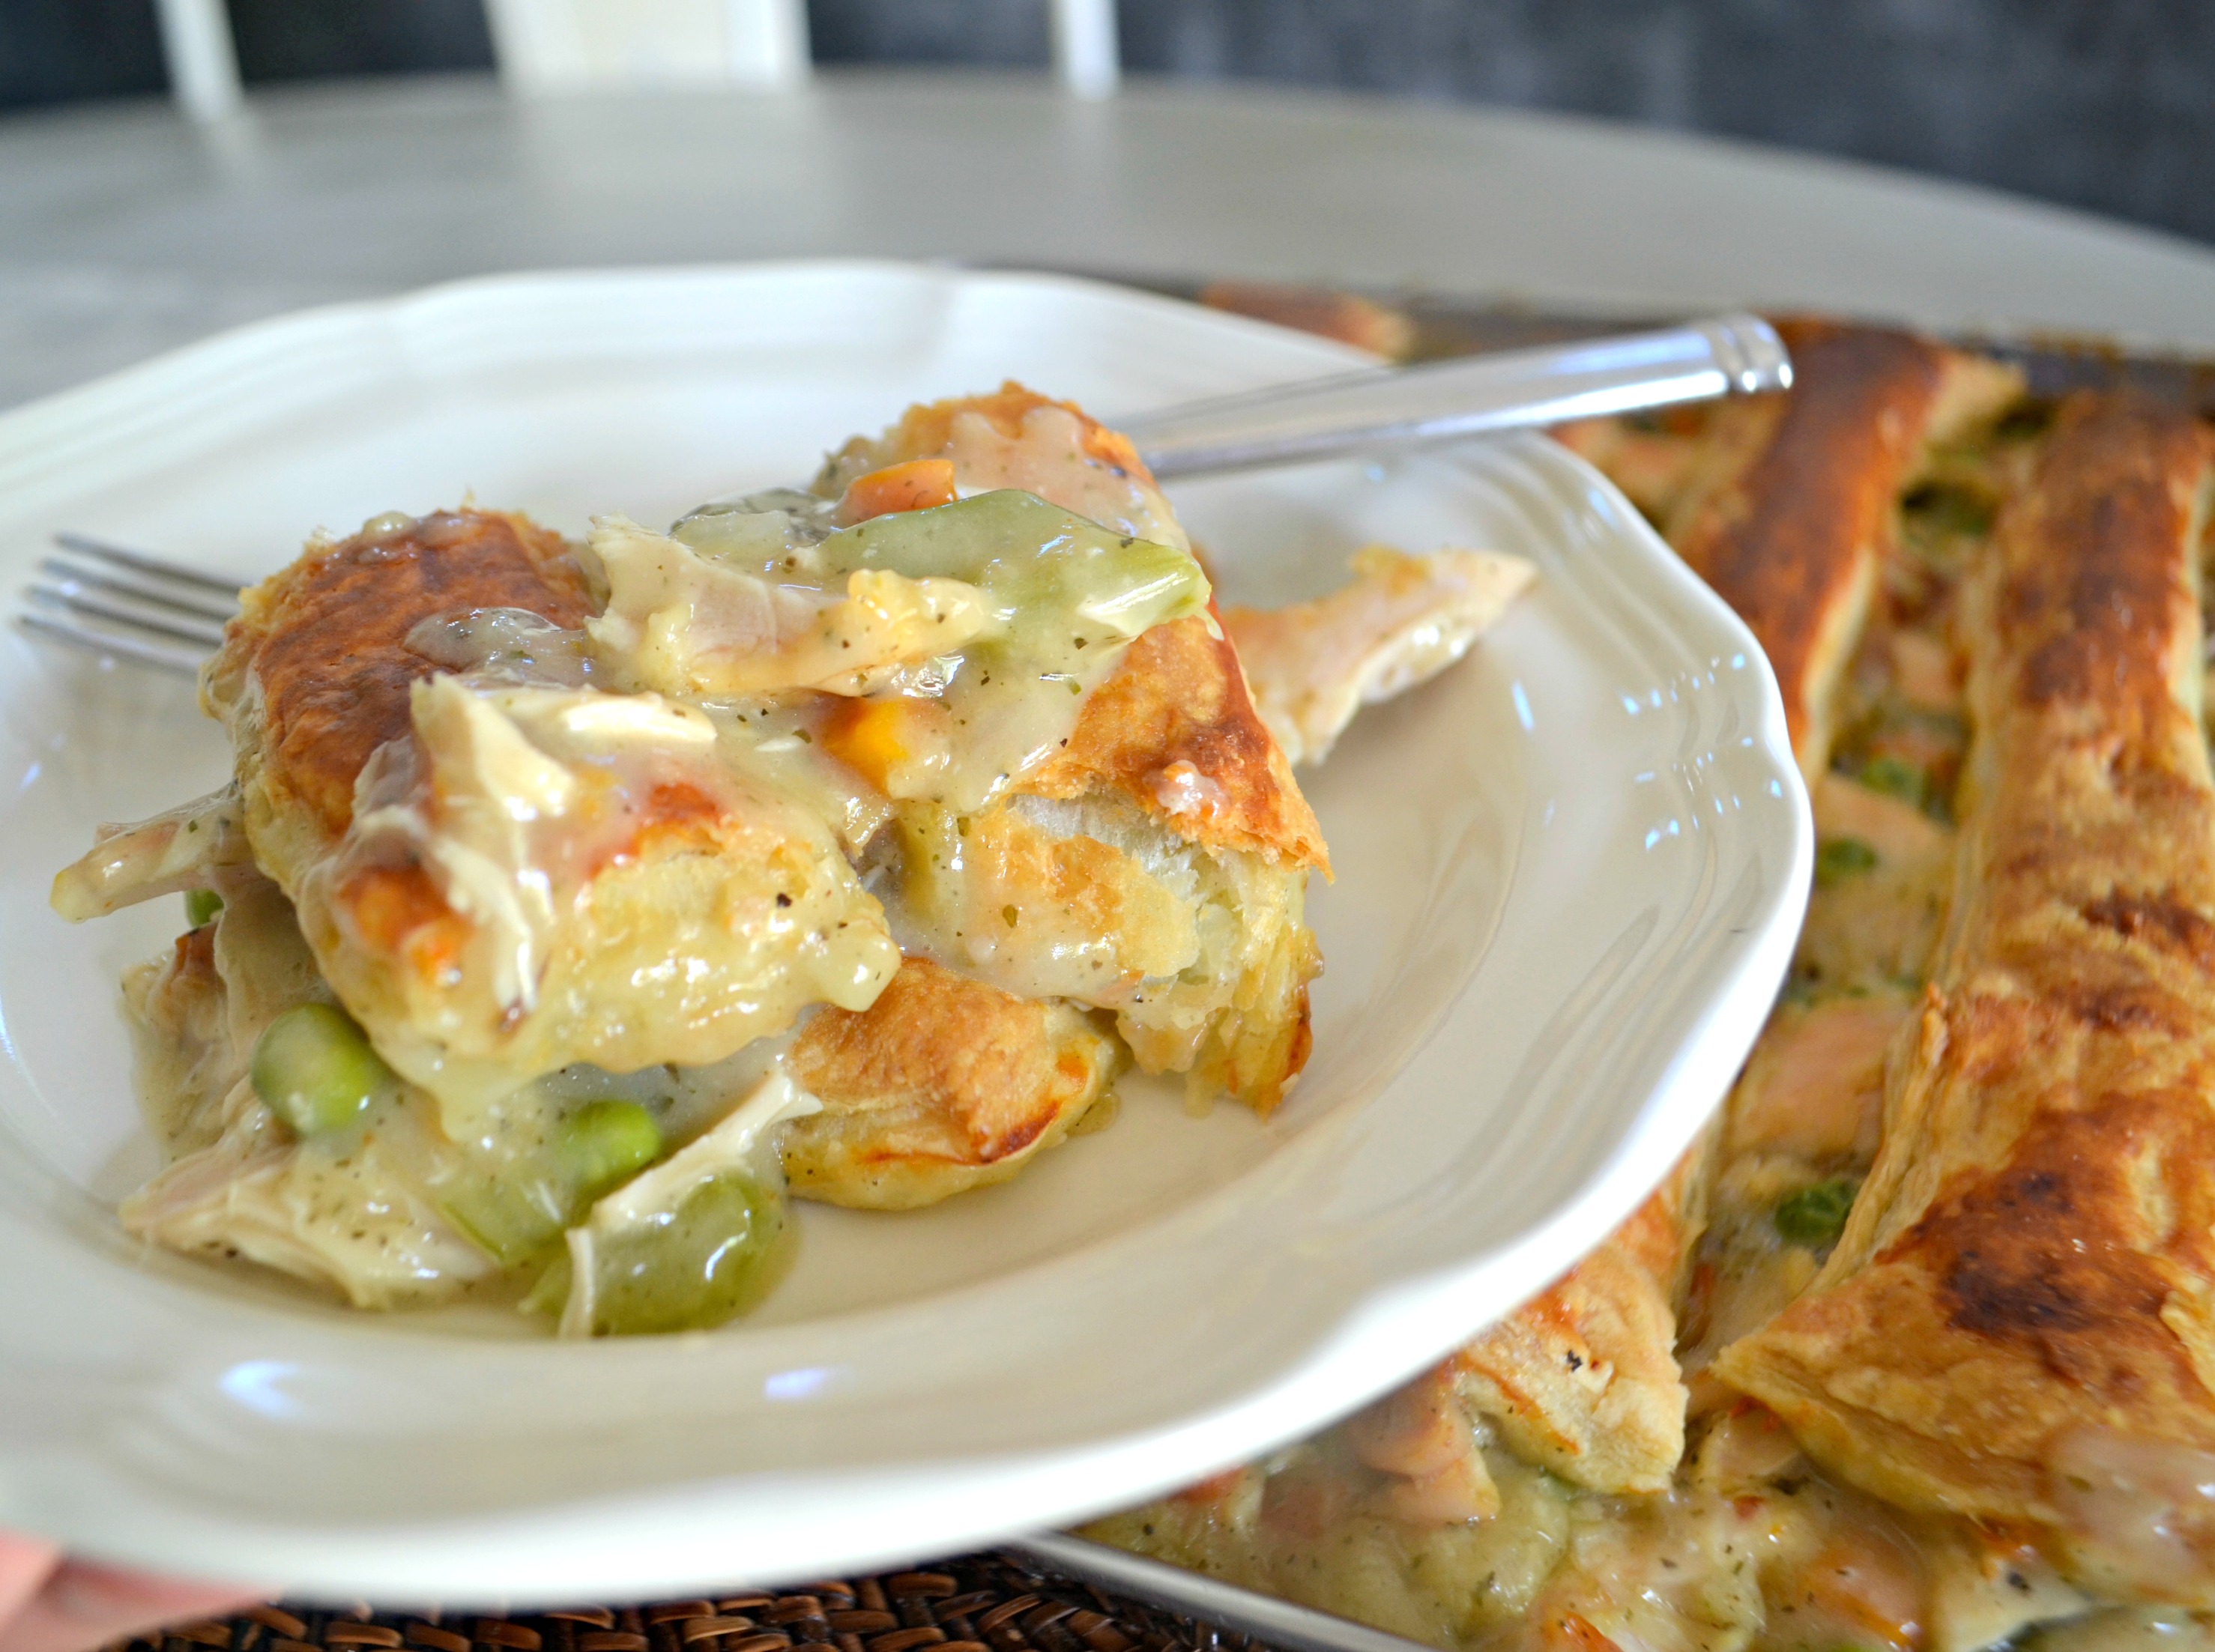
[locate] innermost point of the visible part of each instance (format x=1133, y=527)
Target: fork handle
x=1394, y=407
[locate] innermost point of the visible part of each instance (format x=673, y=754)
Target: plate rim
x=1673, y=1110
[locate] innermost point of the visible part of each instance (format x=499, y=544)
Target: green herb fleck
x=1840, y=858
x=1896, y=778
x=1815, y=1216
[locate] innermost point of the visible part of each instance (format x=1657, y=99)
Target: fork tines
x=122, y=556
x=129, y=604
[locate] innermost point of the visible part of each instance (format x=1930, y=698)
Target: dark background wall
x=2104, y=104
x=300, y=39
x=2107, y=104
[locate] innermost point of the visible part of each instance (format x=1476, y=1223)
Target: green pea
x=605, y=1143
x=1840, y=858
x=1816, y=1215
x=1895, y=778
x=200, y=905
x=315, y=1070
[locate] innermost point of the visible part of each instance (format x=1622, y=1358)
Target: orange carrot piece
x=876, y=737
x=1573, y=1632
x=915, y=485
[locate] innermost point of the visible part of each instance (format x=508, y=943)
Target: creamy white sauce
x=505, y=644
x=686, y=623
x=2145, y=1507
x=1038, y=899
x=1068, y=598
x=778, y=741
x=1002, y=609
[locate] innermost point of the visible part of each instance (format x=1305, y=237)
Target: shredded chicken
x=1403, y=619
x=181, y=850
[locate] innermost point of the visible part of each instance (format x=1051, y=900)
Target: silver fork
x=128, y=604
x=132, y=605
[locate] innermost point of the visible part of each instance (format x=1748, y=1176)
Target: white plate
x=1569, y=875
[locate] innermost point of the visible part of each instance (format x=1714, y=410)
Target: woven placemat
x=980, y=1603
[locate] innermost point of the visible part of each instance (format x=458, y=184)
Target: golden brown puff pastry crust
x=943, y=1085
x=1798, y=502
x=1175, y=731
x=1584, y=1379
x=325, y=640
x=2016, y=1323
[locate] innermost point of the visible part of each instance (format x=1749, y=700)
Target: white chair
x=1087, y=56
x=561, y=46
x=558, y=45
x=203, y=63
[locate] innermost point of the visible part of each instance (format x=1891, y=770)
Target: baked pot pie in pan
x=574, y=904
x=1912, y=1348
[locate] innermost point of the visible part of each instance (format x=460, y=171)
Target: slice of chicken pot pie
x=568, y=897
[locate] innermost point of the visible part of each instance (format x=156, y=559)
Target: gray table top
x=128, y=232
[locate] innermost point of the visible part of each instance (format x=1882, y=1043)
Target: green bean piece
x=513, y=1219
x=1840, y=858
x=1816, y=1215
x=550, y=1296
x=697, y=1266
x=1896, y=778
x=605, y=1143
x=513, y=1215
x=315, y=1069
x=201, y=905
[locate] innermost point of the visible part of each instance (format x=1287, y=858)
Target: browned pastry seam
x=2025, y=1281
x=1790, y=530
x=1585, y=1378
